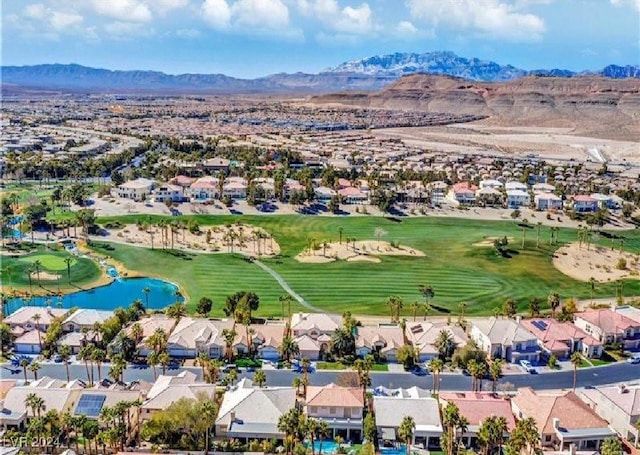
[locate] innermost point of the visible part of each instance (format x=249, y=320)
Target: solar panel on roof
x=90, y=405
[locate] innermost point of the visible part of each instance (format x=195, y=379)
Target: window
x=547, y=438
x=332, y=410
x=313, y=410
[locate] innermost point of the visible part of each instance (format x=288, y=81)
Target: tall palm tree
x=36, y=319
x=592, y=287
x=98, y=355
x=576, y=360
x=152, y=361
x=146, y=291
x=445, y=344
x=453, y=422
x=85, y=355
x=289, y=348
x=164, y=359
x=436, y=366
x=35, y=403
x=405, y=431
x=415, y=307
x=554, y=302
x=24, y=363
x=260, y=378
x=34, y=367
x=208, y=413
x=68, y=261
x=495, y=370
x=65, y=355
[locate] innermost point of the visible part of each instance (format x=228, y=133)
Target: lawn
x=457, y=270
x=16, y=269
x=330, y=366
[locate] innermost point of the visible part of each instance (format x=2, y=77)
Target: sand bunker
x=44, y=276
x=488, y=241
x=365, y=250
x=234, y=238
x=582, y=263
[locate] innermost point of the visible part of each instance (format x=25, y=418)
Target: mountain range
x=371, y=73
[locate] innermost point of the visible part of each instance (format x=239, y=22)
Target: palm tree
x=289, y=348
x=98, y=356
x=592, y=287
x=203, y=360
x=136, y=332
x=491, y=433
x=340, y=231
x=445, y=344
x=164, y=359
x=229, y=336
x=36, y=403
x=37, y=265
x=36, y=318
x=65, y=355
x=452, y=421
x=495, y=370
x=415, y=307
x=436, y=366
x=286, y=298
x=146, y=291
x=85, y=355
x=297, y=383
x=208, y=412
x=576, y=360
x=554, y=302
x=34, y=367
x=152, y=361
x=24, y=363
x=405, y=431
x=259, y=378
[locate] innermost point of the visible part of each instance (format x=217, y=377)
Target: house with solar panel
x=562, y=339
x=505, y=339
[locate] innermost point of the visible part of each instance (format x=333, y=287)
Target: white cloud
x=189, y=33
x=496, y=18
x=61, y=21
x=348, y=20
x=167, y=5
x=632, y=3
x=406, y=28
x=217, y=13
x=123, y=10
x=123, y=30
x=270, y=14
x=36, y=11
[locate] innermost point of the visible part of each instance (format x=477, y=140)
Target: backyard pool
x=120, y=293
x=400, y=450
x=328, y=447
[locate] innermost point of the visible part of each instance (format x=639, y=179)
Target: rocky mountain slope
x=608, y=107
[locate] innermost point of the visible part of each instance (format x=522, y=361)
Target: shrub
x=621, y=264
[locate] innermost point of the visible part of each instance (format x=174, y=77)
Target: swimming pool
x=328, y=446
x=120, y=293
x=400, y=450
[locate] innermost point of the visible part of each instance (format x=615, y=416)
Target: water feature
x=329, y=447
x=119, y=293
x=400, y=450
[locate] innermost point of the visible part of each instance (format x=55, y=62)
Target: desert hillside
x=593, y=106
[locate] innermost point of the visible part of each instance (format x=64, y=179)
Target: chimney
x=518, y=319
x=233, y=416
x=556, y=423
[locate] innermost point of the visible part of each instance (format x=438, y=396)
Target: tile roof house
x=149, y=325
x=194, y=335
x=609, y=326
x=249, y=412
x=266, y=340
x=562, y=338
x=389, y=412
x=24, y=317
x=312, y=332
x=340, y=407
x=383, y=339
x=169, y=389
x=506, y=339
x=29, y=342
x=619, y=405
x=423, y=335
x=562, y=419
x=84, y=319
x=476, y=407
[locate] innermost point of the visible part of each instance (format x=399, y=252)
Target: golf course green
x=458, y=270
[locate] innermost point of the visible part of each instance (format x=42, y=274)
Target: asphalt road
x=610, y=374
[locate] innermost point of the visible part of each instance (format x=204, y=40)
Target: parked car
x=526, y=365
x=230, y=366
x=57, y=358
x=418, y=370
x=634, y=359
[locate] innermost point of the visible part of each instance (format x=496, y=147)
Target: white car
x=634, y=359
x=526, y=365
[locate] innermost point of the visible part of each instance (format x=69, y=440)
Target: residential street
x=611, y=374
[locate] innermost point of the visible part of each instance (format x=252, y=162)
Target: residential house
x=312, y=332
x=352, y=195
x=389, y=412
x=168, y=389
x=515, y=185
x=32, y=317
x=584, y=204
x=609, y=326
x=216, y=164
x=382, y=340
x=491, y=183
x=181, y=180
x=77, y=340
x=205, y=189
x=340, y=407
x=605, y=201
x=85, y=319
x=265, y=340
x=191, y=336
x=324, y=194
x=489, y=196
x=462, y=193
x=517, y=199
x=561, y=339
x=562, y=419
x=149, y=325
x=477, y=407
x=248, y=412
x=137, y=190
x=547, y=201
x=235, y=188
x=30, y=342
x=630, y=312
x=619, y=405
x=169, y=192
x=437, y=192
x=423, y=336
x=506, y=339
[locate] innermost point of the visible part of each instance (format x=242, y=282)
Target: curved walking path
x=284, y=285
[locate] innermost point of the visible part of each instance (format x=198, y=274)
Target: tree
x=452, y=422
x=68, y=261
x=510, y=308
x=405, y=431
x=592, y=287
x=342, y=343
x=436, y=365
x=208, y=412
x=65, y=355
x=176, y=311
x=427, y=292
x=36, y=319
x=495, y=370
x=576, y=360
x=534, y=307
x=406, y=356
x=370, y=431
x=34, y=367
x=98, y=355
x=260, y=378
x=611, y=446
x=232, y=302
x=35, y=403
x=525, y=435
x=554, y=302
x=491, y=434
x=289, y=348
x=24, y=363
x=204, y=306
x=445, y=344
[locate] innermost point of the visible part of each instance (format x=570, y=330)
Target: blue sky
x=250, y=38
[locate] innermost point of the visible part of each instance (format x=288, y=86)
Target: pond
x=120, y=293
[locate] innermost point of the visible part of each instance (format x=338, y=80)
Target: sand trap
x=488, y=241
x=600, y=263
x=235, y=238
x=45, y=276
x=365, y=250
